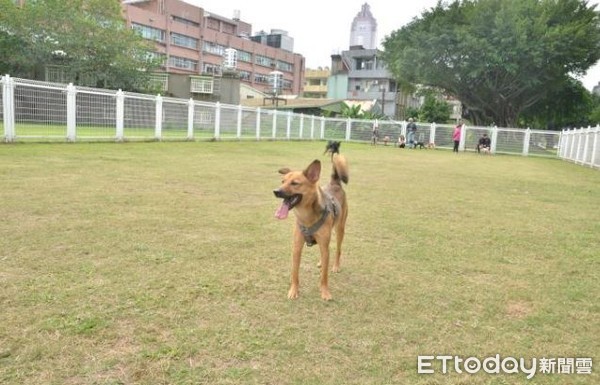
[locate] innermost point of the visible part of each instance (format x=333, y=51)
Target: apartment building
x=315, y=83
x=360, y=74
x=193, y=41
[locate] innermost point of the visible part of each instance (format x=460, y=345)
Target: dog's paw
x=293, y=293
x=325, y=294
x=335, y=269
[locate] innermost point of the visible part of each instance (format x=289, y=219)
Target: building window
x=149, y=33
x=263, y=61
x=244, y=56
x=209, y=68
x=213, y=48
x=364, y=64
x=212, y=24
x=185, y=21
x=183, y=63
x=202, y=84
x=228, y=28
x=245, y=75
x=286, y=84
x=284, y=66
x=260, y=78
x=184, y=41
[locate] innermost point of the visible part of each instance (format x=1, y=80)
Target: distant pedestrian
x=375, y=134
x=456, y=135
x=411, y=130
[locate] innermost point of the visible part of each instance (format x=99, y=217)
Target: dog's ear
x=284, y=170
x=313, y=171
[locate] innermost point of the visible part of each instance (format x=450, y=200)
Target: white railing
x=581, y=146
x=33, y=110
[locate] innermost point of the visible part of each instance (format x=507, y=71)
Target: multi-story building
x=360, y=74
x=315, y=82
x=193, y=41
x=278, y=38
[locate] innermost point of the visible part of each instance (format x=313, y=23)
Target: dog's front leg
x=324, y=248
x=296, y=254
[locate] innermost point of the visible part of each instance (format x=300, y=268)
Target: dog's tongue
x=282, y=211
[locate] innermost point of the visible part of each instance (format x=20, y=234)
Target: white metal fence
x=581, y=146
x=42, y=111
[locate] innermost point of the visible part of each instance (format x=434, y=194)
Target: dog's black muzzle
x=280, y=194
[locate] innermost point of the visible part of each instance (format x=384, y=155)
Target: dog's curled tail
x=340, y=169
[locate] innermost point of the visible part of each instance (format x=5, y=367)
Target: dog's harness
x=331, y=206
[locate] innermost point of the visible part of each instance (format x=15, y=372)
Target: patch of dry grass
x=161, y=263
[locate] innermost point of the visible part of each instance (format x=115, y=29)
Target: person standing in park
x=411, y=130
x=456, y=135
x=375, y=133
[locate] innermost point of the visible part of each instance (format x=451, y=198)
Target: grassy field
x=162, y=263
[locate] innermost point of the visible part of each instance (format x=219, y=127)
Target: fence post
x=586, y=142
x=322, y=128
x=120, y=115
x=258, y=123
x=432, y=133
x=158, y=118
x=239, y=122
x=348, y=128
x=312, y=127
x=288, y=126
x=526, y=139
x=595, y=145
x=8, y=105
x=463, y=135
x=560, y=143
x=301, y=134
x=217, y=133
x=274, y=128
x=404, y=123
x=190, y=128
x=494, y=139
x=578, y=151
x=71, y=112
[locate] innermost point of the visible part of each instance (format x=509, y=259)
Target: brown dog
x=318, y=211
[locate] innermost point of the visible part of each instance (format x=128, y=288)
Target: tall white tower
x=364, y=29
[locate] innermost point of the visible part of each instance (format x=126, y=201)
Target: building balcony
x=317, y=88
x=380, y=73
x=372, y=95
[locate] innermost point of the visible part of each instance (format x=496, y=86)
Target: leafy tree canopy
x=434, y=109
x=87, y=38
x=356, y=112
x=499, y=57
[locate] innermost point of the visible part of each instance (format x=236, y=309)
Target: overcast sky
x=322, y=27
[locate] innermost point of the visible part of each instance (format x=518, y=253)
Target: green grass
x=161, y=263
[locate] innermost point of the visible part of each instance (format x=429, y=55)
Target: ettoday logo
x=507, y=365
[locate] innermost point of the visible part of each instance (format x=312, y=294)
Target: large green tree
x=499, y=57
x=434, y=109
x=87, y=38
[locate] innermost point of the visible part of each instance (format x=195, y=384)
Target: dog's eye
x=294, y=183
